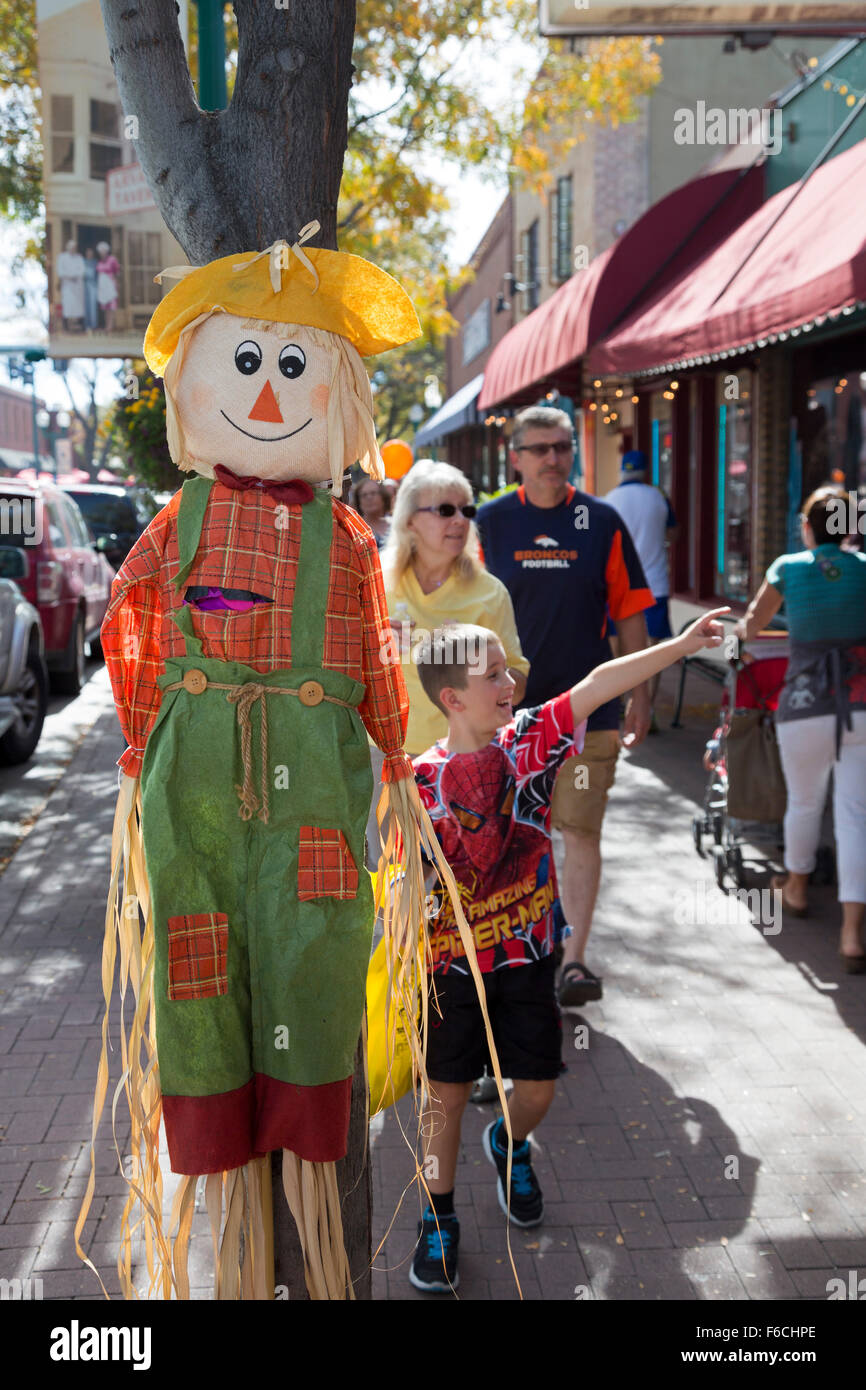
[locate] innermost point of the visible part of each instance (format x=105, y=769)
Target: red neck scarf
x=294, y=493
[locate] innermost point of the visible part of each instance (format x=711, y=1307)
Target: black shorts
x=524, y=1017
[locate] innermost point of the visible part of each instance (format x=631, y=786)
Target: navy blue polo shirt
x=565, y=568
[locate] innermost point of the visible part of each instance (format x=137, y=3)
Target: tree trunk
x=233, y=181
x=236, y=180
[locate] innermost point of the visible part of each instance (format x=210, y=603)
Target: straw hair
x=426, y=484
x=351, y=429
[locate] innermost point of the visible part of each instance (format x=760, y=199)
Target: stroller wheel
x=698, y=834
x=720, y=864
x=718, y=828
x=735, y=866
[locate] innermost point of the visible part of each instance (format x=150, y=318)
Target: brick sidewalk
x=52, y=910
x=712, y=1043
x=716, y=1050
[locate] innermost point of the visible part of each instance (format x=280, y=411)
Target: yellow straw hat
x=332, y=290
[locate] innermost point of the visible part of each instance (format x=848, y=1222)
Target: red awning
x=808, y=264
x=545, y=349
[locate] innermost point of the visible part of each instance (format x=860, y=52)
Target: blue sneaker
x=527, y=1203
x=434, y=1268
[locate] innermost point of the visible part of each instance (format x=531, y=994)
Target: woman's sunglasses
x=448, y=509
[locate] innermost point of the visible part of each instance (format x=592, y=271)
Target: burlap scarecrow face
x=261, y=355
x=253, y=396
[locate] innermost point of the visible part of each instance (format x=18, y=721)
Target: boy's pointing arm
x=616, y=677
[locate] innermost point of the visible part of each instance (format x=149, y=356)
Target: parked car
x=67, y=578
x=117, y=515
x=23, y=678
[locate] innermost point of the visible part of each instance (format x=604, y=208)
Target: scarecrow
x=244, y=641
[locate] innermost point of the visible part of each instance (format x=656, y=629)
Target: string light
x=843, y=89
x=596, y=384
x=635, y=399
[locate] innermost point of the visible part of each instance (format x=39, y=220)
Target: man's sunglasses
x=448, y=509
x=561, y=448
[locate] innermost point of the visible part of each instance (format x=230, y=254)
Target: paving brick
x=28, y=1126
x=796, y=1245
x=641, y=1225
x=762, y=1272
x=713, y=1275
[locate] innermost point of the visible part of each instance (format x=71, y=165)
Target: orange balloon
x=397, y=458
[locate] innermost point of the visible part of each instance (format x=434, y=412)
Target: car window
x=75, y=525
x=56, y=532
x=106, y=513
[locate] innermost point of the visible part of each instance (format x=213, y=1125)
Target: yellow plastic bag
x=390, y=1076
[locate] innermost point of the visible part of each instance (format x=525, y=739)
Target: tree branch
x=155, y=87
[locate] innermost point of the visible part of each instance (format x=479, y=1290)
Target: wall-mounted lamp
x=513, y=286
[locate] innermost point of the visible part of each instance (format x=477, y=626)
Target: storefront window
x=661, y=442
x=734, y=487
x=833, y=435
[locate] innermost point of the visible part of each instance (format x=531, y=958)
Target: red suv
x=68, y=579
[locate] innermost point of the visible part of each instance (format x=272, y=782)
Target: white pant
x=808, y=750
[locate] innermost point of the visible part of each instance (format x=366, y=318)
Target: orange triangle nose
x=266, y=407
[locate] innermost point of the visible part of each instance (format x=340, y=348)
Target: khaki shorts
x=580, y=792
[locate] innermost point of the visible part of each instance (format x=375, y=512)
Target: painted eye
x=248, y=358
x=292, y=361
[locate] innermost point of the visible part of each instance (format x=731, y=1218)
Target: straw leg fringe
x=243, y=1253
x=405, y=830
x=314, y=1201
x=128, y=951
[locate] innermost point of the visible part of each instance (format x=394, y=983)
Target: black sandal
x=578, y=985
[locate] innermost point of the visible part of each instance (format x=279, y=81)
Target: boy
x=487, y=789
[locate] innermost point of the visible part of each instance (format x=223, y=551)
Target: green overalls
x=254, y=805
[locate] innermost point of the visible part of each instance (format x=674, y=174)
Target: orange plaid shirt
x=245, y=546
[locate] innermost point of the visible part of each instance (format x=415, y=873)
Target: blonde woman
x=434, y=575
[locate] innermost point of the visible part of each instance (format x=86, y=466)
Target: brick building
x=16, y=431
x=483, y=309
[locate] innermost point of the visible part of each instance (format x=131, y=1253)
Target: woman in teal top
x=821, y=719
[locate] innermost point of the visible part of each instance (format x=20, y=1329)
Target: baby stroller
x=752, y=684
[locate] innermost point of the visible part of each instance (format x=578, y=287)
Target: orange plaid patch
x=198, y=955
x=326, y=868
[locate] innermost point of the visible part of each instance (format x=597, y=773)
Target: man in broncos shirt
x=567, y=560
x=487, y=788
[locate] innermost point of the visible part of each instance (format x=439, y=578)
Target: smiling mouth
x=267, y=438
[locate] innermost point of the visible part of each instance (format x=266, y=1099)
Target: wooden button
x=311, y=693
x=195, y=682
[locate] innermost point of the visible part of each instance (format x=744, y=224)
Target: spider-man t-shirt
x=491, y=814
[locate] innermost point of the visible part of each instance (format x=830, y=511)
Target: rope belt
x=244, y=697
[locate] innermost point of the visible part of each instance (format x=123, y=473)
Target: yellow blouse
x=482, y=600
